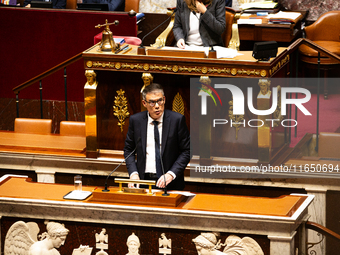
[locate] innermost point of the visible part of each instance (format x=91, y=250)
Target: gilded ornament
x=236, y=119
x=175, y=68
x=233, y=71
x=277, y=113
x=89, y=64
x=120, y=108
x=204, y=69
x=146, y=67
x=263, y=73
x=178, y=104
x=118, y=65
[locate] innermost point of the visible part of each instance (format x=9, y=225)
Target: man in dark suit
x=174, y=142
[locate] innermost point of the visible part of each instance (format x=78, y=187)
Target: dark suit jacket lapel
x=143, y=131
x=165, y=130
x=187, y=20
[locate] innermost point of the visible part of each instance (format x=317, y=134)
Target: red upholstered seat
x=128, y=39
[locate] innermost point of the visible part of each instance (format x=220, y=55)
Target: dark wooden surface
x=272, y=32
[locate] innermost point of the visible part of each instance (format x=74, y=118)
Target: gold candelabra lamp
x=107, y=43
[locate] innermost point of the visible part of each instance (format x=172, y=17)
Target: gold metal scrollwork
x=235, y=119
x=89, y=64
x=181, y=69
x=277, y=113
x=120, y=108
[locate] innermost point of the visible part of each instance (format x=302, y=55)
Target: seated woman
x=199, y=23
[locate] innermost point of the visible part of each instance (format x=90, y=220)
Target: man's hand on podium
x=160, y=183
x=134, y=177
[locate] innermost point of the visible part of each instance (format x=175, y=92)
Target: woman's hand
x=201, y=7
x=181, y=44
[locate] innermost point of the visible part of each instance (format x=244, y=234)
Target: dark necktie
x=157, y=149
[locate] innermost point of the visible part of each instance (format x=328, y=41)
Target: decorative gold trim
x=178, y=104
x=235, y=118
x=89, y=64
x=183, y=69
x=120, y=108
x=161, y=39
x=234, y=42
x=279, y=64
x=277, y=113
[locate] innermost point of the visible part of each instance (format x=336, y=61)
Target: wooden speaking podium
x=275, y=221
x=284, y=206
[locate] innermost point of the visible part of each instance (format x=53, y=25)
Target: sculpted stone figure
x=264, y=88
x=56, y=236
x=133, y=245
x=207, y=244
x=147, y=80
x=91, y=77
x=21, y=238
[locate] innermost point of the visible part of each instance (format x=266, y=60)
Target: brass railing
x=43, y=75
x=325, y=232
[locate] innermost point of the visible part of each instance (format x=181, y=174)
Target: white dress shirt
x=194, y=37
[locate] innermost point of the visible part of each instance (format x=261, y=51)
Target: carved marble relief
x=164, y=245
x=207, y=243
x=82, y=250
x=21, y=239
x=102, y=240
x=133, y=244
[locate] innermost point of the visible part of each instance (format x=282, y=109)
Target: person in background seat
x=199, y=23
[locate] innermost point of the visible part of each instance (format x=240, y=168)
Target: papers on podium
x=253, y=7
x=78, y=195
x=283, y=17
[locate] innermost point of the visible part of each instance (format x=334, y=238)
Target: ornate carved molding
x=183, y=68
x=236, y=119
x=278, y=65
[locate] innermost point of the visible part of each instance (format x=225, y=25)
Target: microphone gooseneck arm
x=141, y=44
x=107, y=178
x=165, y=188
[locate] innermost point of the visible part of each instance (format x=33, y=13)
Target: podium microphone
x=107, y=178
x=141, y=48
x=165, y=188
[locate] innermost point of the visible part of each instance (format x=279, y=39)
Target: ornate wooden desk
x=119, y=77
x=272, y=32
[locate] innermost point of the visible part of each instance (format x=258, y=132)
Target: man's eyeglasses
x=152, y=103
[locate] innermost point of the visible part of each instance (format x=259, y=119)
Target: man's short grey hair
x=154, y=87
